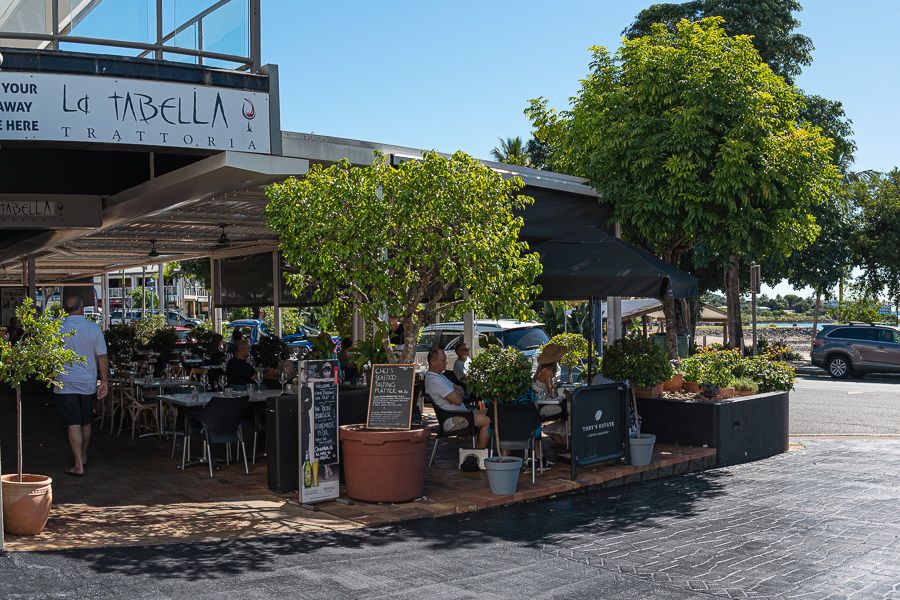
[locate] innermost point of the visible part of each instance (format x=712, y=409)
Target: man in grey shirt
x=75, y=399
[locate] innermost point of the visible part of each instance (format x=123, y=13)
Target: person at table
x=215, y=352
x=463, y=361
x=239, y=371
x=544, y=381
x=449, y=396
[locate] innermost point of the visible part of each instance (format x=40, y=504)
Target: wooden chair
x=137, y=405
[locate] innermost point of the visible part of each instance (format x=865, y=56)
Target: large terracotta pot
x=674, y=384
x=26, y=504
x=691, y=387
x=648, y=392
x=384, y=466
x=726, y=392
x=743, y=394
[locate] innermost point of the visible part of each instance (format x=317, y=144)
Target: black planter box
x=740, y=429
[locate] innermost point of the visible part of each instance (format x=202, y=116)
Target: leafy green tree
x=512, y=152
x=771, y=23
x=877, y=241
x=142, y=297
x=403, y=240
x=40, y=354
x=692, y=138
x=196, y=269
x=861, y=306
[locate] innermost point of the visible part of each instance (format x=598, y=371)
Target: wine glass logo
x=249, y=112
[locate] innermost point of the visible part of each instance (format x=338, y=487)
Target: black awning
x=590, y=263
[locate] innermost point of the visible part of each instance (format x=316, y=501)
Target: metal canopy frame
x=181, y=210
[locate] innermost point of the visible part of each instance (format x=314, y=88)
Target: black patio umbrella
x=591, y=263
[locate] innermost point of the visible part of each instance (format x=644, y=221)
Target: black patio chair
x=220, y=422
x=459, y=424
x=516, y=425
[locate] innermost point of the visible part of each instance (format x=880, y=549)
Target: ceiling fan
x=154, y=253
x=223, y=241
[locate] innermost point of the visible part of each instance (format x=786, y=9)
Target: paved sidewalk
x=820, y=522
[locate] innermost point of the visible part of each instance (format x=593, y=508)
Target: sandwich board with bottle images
x=317, y=391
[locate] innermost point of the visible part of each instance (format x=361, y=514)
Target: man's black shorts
x=76, y=409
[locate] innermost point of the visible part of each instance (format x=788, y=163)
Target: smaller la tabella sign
x=47, y=211
x=107, y=110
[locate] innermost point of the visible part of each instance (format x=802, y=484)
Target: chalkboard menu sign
x=391, y=397
x=319, y=448
x=598, y=424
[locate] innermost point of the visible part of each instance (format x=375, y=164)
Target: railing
x=225, y=34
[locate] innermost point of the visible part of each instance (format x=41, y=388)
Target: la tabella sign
x=48, y=211
x=106, y=110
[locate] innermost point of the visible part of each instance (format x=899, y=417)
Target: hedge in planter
x=637, y=360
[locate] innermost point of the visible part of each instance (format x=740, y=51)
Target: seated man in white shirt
x=449, y=396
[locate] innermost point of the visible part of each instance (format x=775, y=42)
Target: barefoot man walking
x=75, y=399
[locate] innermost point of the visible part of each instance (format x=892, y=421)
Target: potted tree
x=500, y=375
x=645, y=366
x=39, y=355
x=402, y=241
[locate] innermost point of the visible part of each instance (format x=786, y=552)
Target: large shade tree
x=691, y=137
x=404, y=240
x=877, y=240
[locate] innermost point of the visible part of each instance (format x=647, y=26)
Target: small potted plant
x=500, y=375
x=39, y=355
x=690, y=370
x=676, y=381
x=744, y=386
x=644, y=365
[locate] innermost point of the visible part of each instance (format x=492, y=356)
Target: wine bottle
x=307, y=472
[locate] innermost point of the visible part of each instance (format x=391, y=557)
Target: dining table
x=161, y=384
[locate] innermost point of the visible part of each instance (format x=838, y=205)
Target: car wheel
x=839, y=367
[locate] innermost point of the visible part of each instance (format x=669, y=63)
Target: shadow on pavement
x=537, y=524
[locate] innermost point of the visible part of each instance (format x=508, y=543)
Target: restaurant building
x=141, y=133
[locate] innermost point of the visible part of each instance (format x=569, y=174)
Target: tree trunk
x=19, y=431
x=733, y=301
x=671, y=326
x=816, y=312
x=409, y=342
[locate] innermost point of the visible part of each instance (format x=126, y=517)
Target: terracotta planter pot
x=648, y=392
x=384, y=466
x=26, y=505
x=743, y=393
x=674, y=384
x=726, y=392
x=691, y=386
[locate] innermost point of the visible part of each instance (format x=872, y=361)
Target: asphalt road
x=818, y=522
x=869, y=406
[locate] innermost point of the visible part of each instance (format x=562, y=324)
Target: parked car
x=525, y=336
x=857, y=348
x=115, y=317
x=177, y=319
x=185, y=337
x=254, y=329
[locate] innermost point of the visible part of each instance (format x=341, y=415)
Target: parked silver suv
x=857, y=348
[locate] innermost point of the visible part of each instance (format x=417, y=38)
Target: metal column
x=105, y=306
x=276, y=293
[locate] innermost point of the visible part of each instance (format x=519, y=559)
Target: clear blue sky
x=457, y=75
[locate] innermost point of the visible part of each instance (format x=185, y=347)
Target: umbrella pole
x=590, y=339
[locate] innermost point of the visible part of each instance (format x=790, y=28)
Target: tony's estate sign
x=106, y=110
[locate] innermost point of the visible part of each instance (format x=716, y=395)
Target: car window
x=889, y=336
x=425, y=341
x=853, y=333
x=448, y=339
x=525, y=339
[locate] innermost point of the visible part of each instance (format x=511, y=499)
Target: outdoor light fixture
x=153, y=251
x=223, y=241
